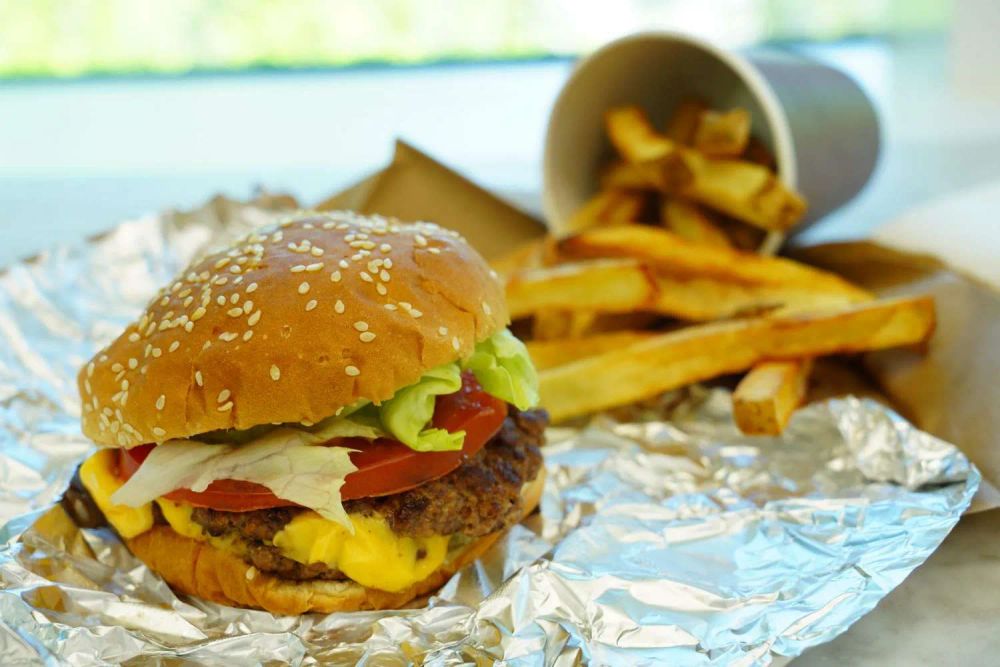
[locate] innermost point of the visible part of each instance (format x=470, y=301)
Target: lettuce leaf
x=502, y=366
x=284, y=460
x=406, y=415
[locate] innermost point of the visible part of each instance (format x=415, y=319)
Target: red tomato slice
x=384, y=466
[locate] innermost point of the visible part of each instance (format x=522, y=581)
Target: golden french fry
x=684, y=121
x=608, y=285
x=690, y=223
x=743, y=190
x=722, y=134
x=671, y=255
x=767, y=396
x=561, y=324
x=531, y=255
x=609, y=206
x=671, y=360
x=551, y=353
x=625, y=176
x=660, y=159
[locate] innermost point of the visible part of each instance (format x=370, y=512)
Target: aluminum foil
x=664, y=537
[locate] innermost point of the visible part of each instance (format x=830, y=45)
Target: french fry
x=719, y=134
x=660, y=159
x=767, y=396
x=609, y=206
x=550, y=353
x=625, y=176
x=690, y=223
x=561, y=325
x=530, y=255
x=609, y=285
x=696, y=353
x=758, y=153
x=684, y=121
x=743, y=190
x=671, y=255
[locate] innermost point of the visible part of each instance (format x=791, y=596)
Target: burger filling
x=379, y=494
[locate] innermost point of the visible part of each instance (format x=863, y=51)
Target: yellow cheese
x=98, y=476
x=373, y=556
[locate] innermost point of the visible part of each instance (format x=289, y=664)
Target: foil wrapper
x=664, y=537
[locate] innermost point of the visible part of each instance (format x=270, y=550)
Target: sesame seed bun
x=288, y=325
x=197, y=568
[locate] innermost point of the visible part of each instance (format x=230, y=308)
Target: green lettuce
x=406, y=415
x=502, y=366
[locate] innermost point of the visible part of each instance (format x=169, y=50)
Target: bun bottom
x=199, y=569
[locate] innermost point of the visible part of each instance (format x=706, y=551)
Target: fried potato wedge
x=671, y=255
x=671, y=360
x=659, y=159
x=691, y=223
x=530, y=255
x=607, y=207
x=550, y=353
x=683, y=122
x=605, y=285
x=561, y=324
x=722, y=134
x=767, y=396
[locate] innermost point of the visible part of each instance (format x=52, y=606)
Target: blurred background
x=113, y=108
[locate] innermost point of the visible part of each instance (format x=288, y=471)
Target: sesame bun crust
x=290, y=324
x=199, y=569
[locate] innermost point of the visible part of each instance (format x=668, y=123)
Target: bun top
x=290, y=324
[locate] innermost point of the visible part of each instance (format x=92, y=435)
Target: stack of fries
x=655, y=284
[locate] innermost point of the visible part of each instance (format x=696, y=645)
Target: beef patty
x=481, y=496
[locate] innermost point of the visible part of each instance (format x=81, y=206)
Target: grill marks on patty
x=480, y=497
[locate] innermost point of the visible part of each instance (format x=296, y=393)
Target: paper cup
x=820, y=126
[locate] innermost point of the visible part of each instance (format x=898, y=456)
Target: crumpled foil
x=665, y=536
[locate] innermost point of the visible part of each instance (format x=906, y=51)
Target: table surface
x=78, y=157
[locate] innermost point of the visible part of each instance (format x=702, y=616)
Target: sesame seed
x=385, y=247
x=303, y=288
x=165, y=300
x=387, y=263
x=415, y=313
x=361, y=326
x=227, y=336
x=251, y=288
x=198, y=313
x=352, y=371
x=312, y=304
x=380, y=288
x=443, y=331
x=90, y=369
x=157, y=352
x=315, y=266
x=390, y=306
x=487, y=309
x=247, y=306
x=223, y=396
x=199, y=380
x=374, y=265
x=234, y=297
x=235, y=269
x=338, y=306
x=189, y=326
x=434, y=251
x=454, y=343
x=226, y=407
x=419, y=238
x=275, y=373
x=188, y=301
x=133, y=363
x=124, y=385
x=207, y=344
x=253, y=319
x=160, y=402
x=247, y=335
x=367, y=337
x=235, y=312
x=366, y=277
x=221, y=300
x=316, y=252
x=158, y=432
x=298, y=268
x=221, y=263
x=335, y=276
x=133, y=337
x=86, y=385
x=343, y=264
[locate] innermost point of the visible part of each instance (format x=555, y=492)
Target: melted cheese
x=373, y=556
x=98, y=476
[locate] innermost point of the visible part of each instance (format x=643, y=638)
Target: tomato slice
x=384, y=466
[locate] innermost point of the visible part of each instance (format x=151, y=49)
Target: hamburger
x=328, y=415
